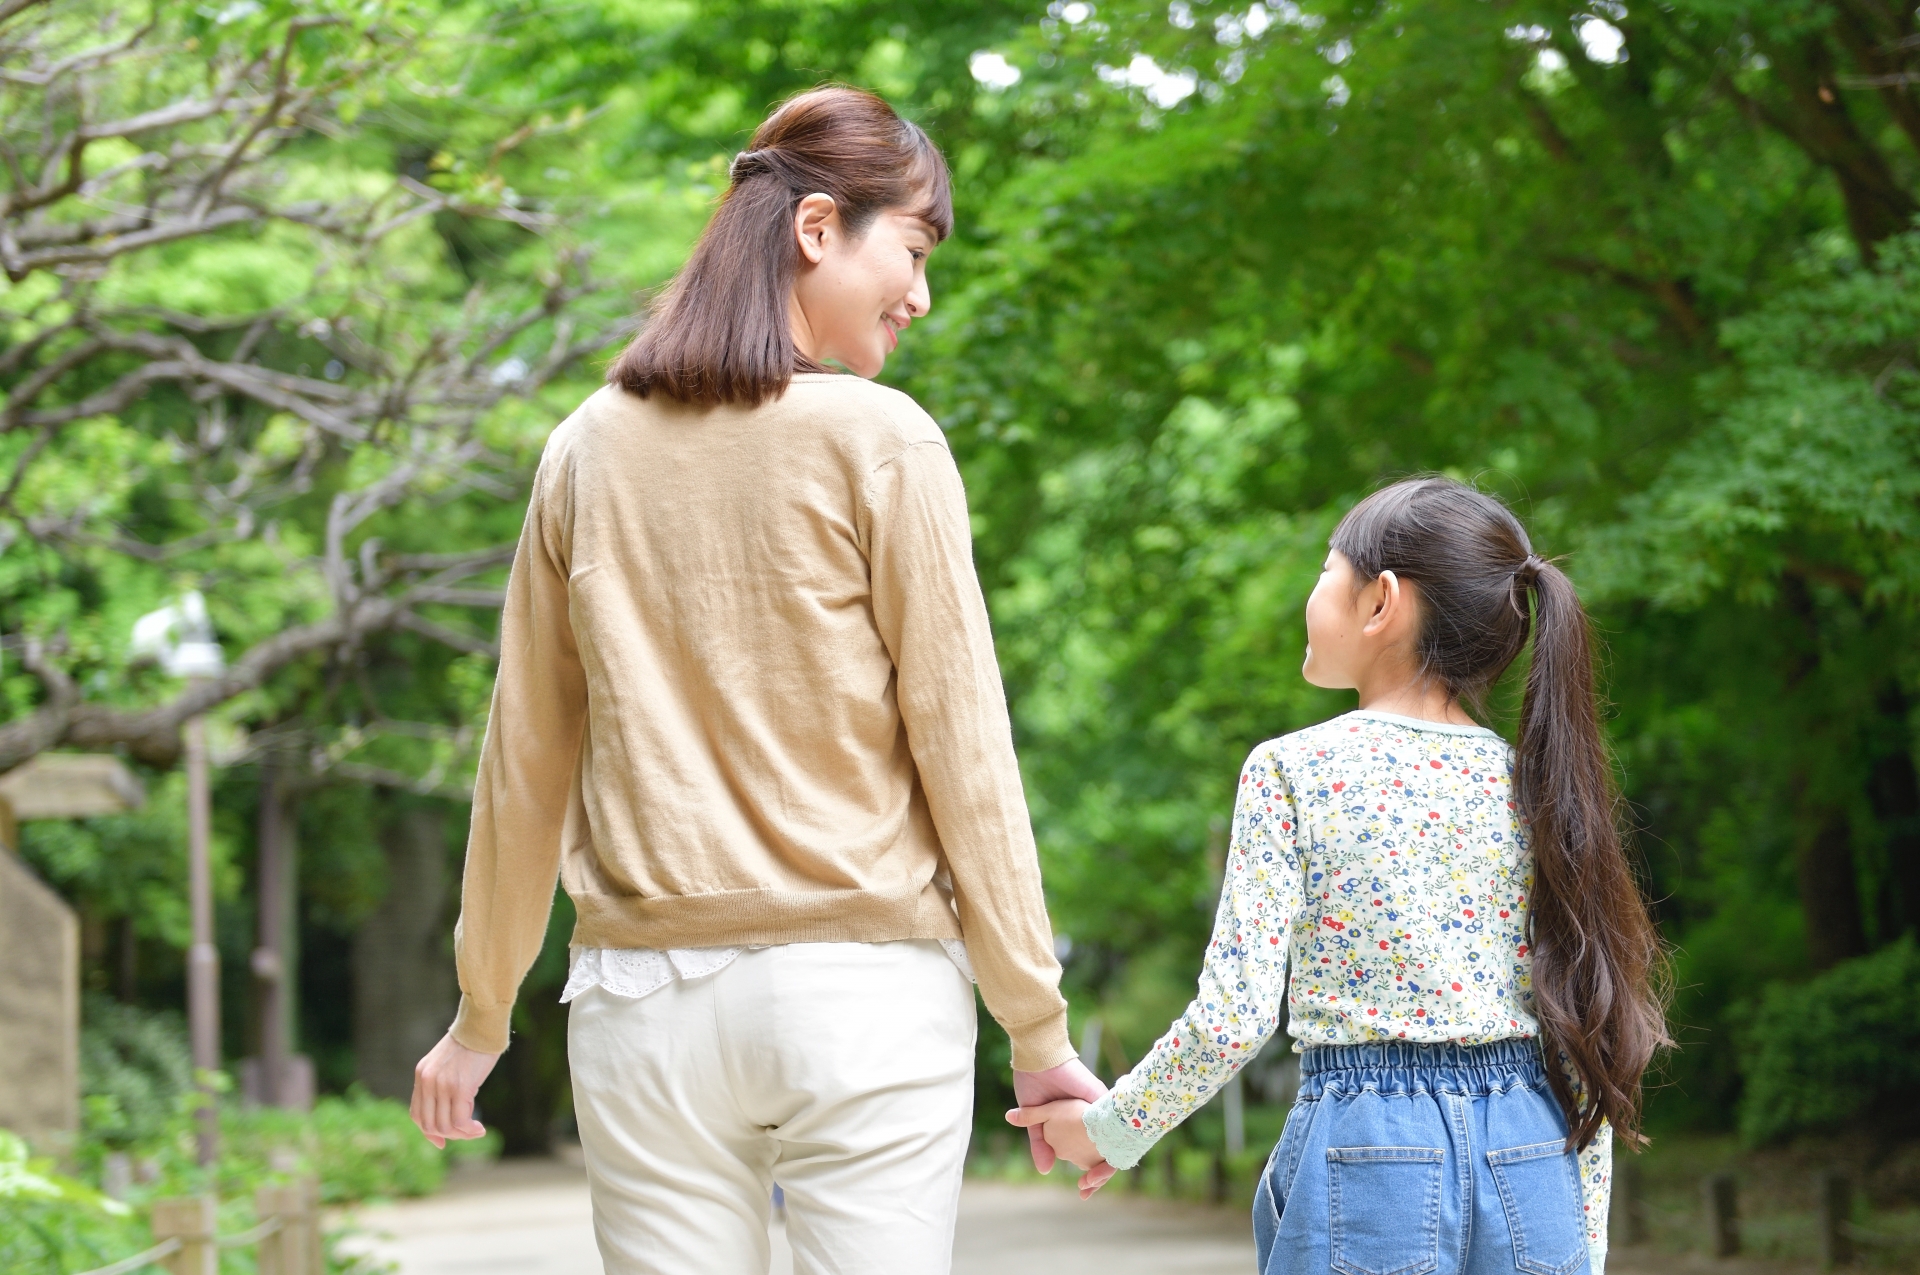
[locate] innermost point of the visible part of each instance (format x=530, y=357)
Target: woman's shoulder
x=607, y=407
x=867, y=411
x=845, y=413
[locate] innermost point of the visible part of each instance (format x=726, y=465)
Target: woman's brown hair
x=719, y=333
x=1596, y=956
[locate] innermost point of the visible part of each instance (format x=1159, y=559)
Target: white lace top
x=637, y=971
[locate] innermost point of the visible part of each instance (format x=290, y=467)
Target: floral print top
x=1382, y=857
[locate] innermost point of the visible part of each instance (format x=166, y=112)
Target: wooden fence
x=1840, y=1237
x=187, y=1242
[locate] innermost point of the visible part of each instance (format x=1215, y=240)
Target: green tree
x=1219, y=269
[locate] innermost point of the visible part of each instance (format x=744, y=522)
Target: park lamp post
x=181, y=638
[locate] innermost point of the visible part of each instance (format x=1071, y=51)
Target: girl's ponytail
x=1595, y=953
x=1594, y=948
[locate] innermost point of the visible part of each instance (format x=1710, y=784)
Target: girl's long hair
x=1596, y=957
x=719, y=333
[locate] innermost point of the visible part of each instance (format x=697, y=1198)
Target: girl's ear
x=1386, y=604
x=811, y=222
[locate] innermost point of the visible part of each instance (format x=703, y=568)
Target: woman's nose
x=920, y=300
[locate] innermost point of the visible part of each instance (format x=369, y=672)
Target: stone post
x=39, y=1009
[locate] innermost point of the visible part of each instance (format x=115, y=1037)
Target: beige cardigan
x=747, y=695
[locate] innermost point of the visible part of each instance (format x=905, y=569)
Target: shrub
x=137, y=1074
x=361, y=1147
x=52, y=1223
x=1840, y=1051
x=135, y=1066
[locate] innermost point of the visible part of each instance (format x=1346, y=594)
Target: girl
x=1442, y=916
x=748, y=714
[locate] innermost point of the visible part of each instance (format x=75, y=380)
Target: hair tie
x=1530, y=568
x=1523, y=578
x=749, y=163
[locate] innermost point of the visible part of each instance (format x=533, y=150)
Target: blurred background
x=295, y=291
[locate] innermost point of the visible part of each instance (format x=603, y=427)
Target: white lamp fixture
x=180, y=637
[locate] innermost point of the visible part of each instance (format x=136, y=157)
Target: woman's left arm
x=932, y=617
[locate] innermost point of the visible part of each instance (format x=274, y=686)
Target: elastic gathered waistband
x=1405, y=1067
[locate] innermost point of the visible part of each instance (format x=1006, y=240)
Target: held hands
x=444, y=1085
x=1038, y=1089
x=1059, y=1123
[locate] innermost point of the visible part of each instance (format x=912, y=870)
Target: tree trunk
x=1817, y=120
x=1830, y=893
x=276, y=1076
x=403, y=978
x=1894, y=790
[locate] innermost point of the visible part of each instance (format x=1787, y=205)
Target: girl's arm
x=1596, y=1177
x=1243, y=986
x=1596, y=1194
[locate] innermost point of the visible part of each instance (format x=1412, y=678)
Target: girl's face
x=855, y=296
x=1335, y=620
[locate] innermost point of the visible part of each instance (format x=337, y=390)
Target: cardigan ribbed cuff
x=482, y=1028
x=1040, y=1044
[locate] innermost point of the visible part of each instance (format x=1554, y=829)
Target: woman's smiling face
x=855, y=295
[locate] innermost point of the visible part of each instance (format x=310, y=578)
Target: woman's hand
x=1070, y=1079
x=1066, y=1133
x=444, y=1085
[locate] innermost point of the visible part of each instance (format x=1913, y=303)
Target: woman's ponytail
x=1595, y=953
x=1594, y=948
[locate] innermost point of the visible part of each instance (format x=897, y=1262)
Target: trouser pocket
x=1383, y=1209
x=1540, y=1190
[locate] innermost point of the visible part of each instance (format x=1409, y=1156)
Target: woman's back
x=727, y=601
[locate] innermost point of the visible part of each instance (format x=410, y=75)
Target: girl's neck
x=1418, y=698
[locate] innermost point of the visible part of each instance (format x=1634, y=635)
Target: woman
x=747, y=710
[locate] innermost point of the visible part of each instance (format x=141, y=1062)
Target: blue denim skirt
x=1403, y=1159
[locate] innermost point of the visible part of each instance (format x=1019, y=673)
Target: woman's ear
x=813, y=220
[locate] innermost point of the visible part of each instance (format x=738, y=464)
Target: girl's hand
x=1070, y=1079
x=1066, y=1133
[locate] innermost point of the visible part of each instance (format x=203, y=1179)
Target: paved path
x=532, y=1218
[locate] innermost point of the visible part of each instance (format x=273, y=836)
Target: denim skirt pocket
x=1383, y=1209
x=1540, y=1191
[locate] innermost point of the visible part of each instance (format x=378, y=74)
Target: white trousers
x=841, y=1071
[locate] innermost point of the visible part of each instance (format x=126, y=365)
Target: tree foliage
x=242, y=355
x=1647, y=271
x=1837, y=1053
